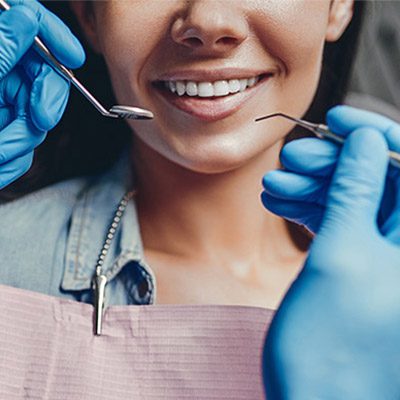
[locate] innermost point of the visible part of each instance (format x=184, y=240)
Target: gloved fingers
x=387, y=203
x=391, y=227
x=6, y=116
x=358, y=182
x=392, y=136
x=290, y=186
x=48, y=98
x=19, y=138
x=18, y=28
x=308, y=215
x=44, y=101
x=345, y=119
x=14, y=91
x=50, y=91
x=14, y=169
x=310, y=156
x=32, y=64
x=55, y=34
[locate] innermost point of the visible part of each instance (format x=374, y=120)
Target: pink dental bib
x=156, y=352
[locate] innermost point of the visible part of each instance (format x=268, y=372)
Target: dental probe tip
x=275, y=115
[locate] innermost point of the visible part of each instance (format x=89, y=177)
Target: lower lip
x=213, y=108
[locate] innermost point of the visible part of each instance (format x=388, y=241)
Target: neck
x=217, y=219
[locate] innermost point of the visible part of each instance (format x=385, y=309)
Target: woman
x=198, y=225
x=194, y=163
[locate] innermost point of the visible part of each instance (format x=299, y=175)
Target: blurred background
x=375, y=82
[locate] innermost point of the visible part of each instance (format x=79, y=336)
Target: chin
x=226, y=157
x=211, y=165
x=210, y=148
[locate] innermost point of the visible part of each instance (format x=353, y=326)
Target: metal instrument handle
x=323, y=132
x=68, y=74
x=41, y=48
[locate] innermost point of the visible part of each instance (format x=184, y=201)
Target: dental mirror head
x=128, y=112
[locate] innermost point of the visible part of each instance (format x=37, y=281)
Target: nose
x=210, y=26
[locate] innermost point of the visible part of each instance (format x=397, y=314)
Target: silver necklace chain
x=99, y=279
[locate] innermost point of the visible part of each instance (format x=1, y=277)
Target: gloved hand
x=33, y=96
x=298, y=193
x=336, y=334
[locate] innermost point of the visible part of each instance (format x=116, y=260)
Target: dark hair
x=83, y=143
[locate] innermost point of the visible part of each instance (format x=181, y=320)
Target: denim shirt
x=50, y=240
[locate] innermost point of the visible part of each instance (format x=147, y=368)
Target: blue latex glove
x=336, y=334
x=298, y=193
x=33, y=96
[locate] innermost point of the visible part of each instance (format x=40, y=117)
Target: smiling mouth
x=209, y=101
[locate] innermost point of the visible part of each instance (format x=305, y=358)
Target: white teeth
x=172, y=86
x=251, y=82
x=210, y=89
x=180, y=88
x=205, y=89
x=243, y=84
x=234, y=85
x=221, y=88
x=191, y=89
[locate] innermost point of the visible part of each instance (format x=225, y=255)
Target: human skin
x=198, y=179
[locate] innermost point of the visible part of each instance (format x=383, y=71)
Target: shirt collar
x=91, y=218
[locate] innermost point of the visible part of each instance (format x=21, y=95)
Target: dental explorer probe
x=116, y=111
x=321, y=131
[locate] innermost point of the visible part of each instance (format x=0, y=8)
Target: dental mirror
x=117, y=111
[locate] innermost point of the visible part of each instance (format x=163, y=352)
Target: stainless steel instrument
x=321, y=131
x=117, y=111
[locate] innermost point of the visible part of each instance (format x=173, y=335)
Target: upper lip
x=211, y=75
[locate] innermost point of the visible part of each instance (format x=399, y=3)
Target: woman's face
x=208, y=68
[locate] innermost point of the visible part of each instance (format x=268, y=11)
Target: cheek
x=129, y=32
x=293, y=33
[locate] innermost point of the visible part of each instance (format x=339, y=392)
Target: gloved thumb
x=358, y=182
